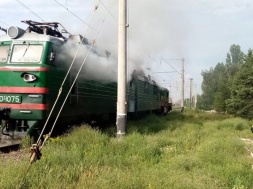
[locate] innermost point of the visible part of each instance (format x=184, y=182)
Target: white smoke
x=154, y=27
x=98, y=64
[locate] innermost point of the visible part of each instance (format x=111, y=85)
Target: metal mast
x=182, y=86
x=195, y=101
x=191, y=93
x=122, y=55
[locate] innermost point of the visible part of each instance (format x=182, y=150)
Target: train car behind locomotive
x=144, y=95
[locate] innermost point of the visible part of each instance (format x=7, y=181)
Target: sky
x=160, y=34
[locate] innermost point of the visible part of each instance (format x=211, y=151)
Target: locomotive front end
x=23, y=85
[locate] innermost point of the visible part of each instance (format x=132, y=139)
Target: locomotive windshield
x=4, y=53
x=26, y=53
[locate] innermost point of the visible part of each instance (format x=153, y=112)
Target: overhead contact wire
x=75, y=15
x=107, y=9
x=171, y=66
x=30, y=10
x=4, y=23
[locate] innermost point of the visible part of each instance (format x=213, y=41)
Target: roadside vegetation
x=181, y=150
x=228, y=87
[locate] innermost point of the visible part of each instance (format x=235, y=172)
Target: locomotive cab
x=26, y=59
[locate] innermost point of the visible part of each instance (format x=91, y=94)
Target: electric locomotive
x=32, y=69
x=31, y=73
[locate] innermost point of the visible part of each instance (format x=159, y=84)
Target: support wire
x=80, y=69
x=37, y=147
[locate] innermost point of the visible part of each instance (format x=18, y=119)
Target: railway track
x=9, y=148
x=12, y=139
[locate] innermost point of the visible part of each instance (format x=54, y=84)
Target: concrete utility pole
x=182, y=86
x=122, y=57
x=195, y=101
x=191, y=93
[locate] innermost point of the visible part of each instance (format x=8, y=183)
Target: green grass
x=189, y=150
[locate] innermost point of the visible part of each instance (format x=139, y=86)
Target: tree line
x=228, y=87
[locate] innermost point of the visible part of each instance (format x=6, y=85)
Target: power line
x=165, y=72
x=165, y=69
x=171, y=66
x=75, y=14
x=4, y=23
x=30, y=10
x=107, y=9
x=160, y=65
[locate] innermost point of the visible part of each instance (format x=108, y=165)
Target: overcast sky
x=201, y=31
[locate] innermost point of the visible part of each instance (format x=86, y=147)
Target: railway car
x=166, y=106
x=144, y=95
x=31, y=76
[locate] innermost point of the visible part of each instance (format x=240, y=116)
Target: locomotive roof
x=145, y=79
x=34, y=37
x=164, y=89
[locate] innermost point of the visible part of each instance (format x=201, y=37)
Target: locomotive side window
x=26, y=53
x=4, y=50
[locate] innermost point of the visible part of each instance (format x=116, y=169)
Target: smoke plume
x=153, y=29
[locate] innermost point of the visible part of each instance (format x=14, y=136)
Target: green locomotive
x=31, y=74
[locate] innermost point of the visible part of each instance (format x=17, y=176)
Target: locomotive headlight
x=29, y=77
x=15, y=32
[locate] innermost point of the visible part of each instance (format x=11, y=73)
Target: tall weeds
x=189, y=150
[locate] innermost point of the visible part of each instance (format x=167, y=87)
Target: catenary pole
x=191, y=93
x=195, y=101
x=182, y=86
x=121, y=100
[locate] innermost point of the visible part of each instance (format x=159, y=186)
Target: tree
x=234, y=60
x=215, y=88
x=216, y=85
x=208, y=88
x=241, y=101
x=222, y=92
x=201, y=103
